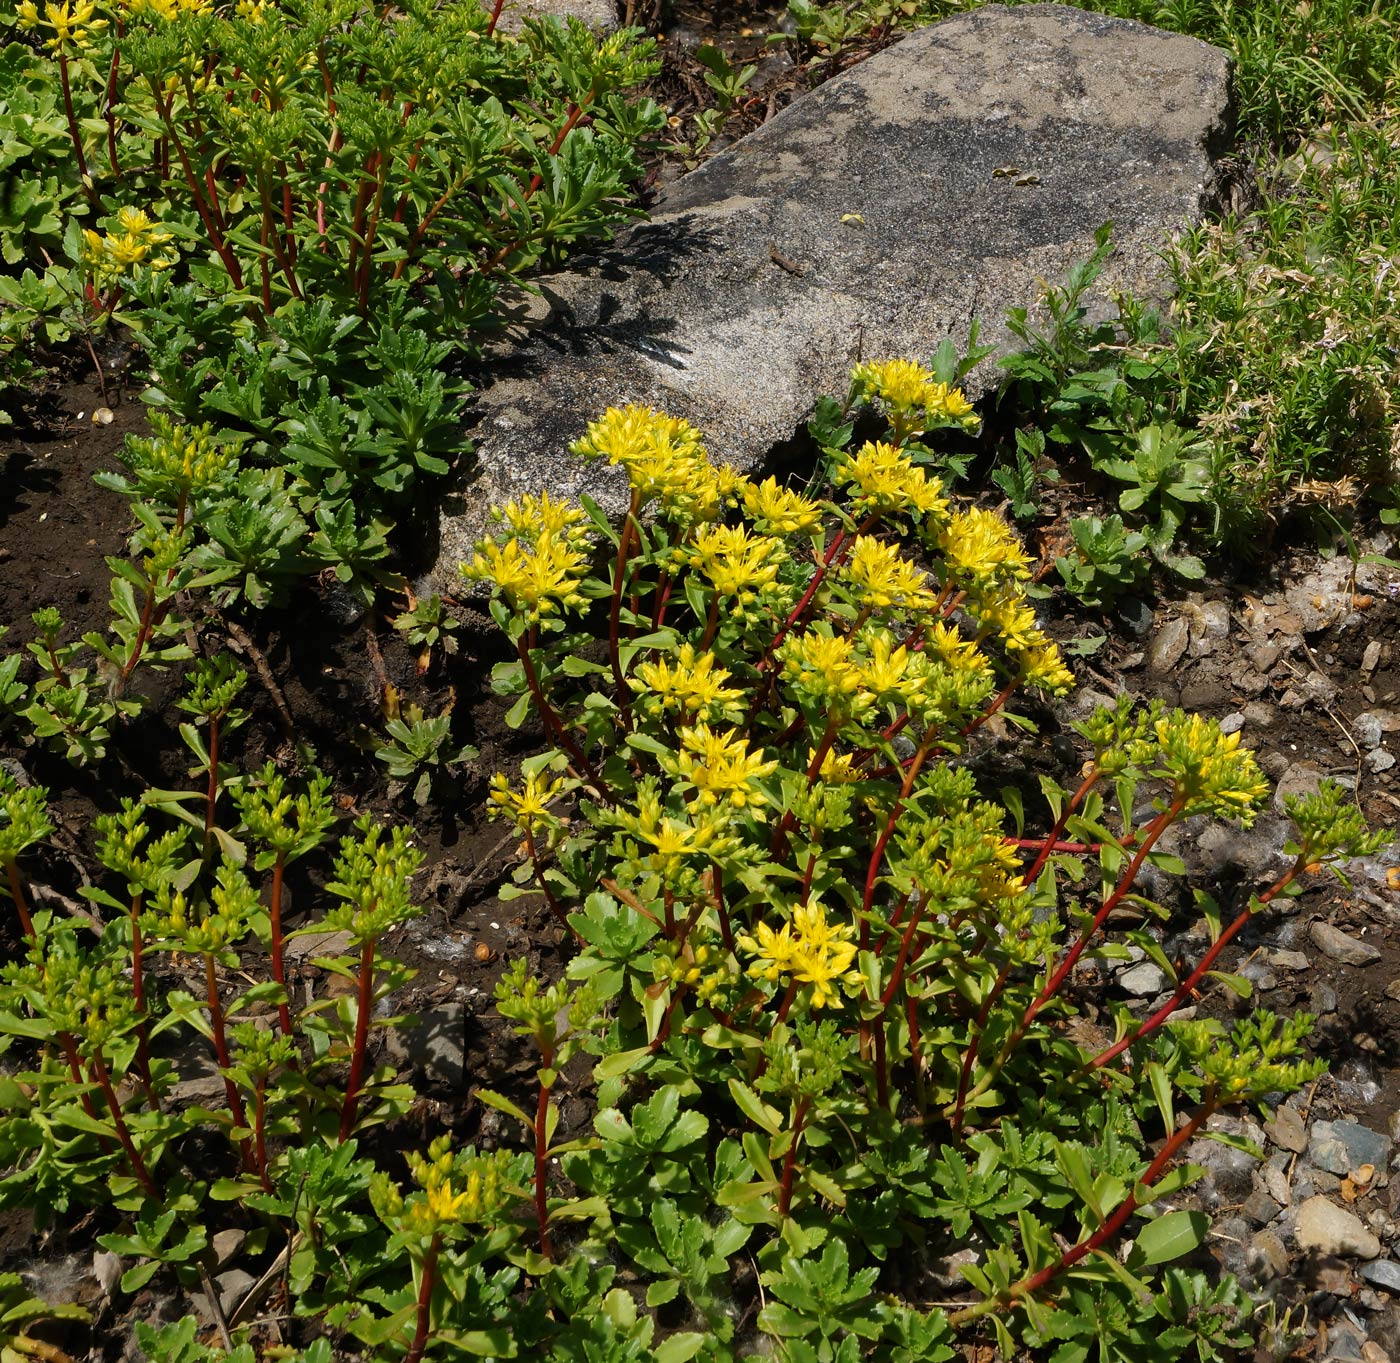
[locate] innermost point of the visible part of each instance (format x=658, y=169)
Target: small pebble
x=1384, y=1273
x=1340, y=946
x=1232, y=723
x=1327, y=1229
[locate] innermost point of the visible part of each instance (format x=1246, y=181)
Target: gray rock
x=1299, y=778
x=1290, y=960
x=1259, y=1208
x=233, y=1287
x=1232, y=723
x=1380, y=760
x=1366, y=729
x=1322, y=1000
x=599, y=14
x=1268, y=1256
x=1384, y=1273
x=1263, y=656
x=1168, y=645
x=1229, y=1171
x=1213, y=620
x=1137, y=615
x=1325, y=1228
x=227, y=1244
x=1371, y=657
x=1258, y=973
x=1340, y=1147
x=1259, y=714
x=1142, y=980
x=879, y=186
x=434, y=1049
x=1287, y=1130
x=1339, y=946
x=1275, y=1175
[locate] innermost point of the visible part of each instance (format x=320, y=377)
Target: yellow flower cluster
x=663, y=456
x=130, y=244
x=808, y=950
x=669, y=843
x=454, y=1191
x=881, y=478
x=982, y=551
x=721, y=768
x=693, y=686
x=778, y=510
x=906, y=387
x=70, y=21
x=737, y=564
x=529, y=805
x=884, y=578
x=1208, y=768
x=541, y=563
x=165, y=10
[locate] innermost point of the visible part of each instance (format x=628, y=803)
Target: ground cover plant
x=821, y=998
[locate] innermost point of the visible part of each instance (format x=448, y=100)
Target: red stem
x=216, y=1023
x=1051, y=843
x=357, y=1055
x=73, y=125
x=1185, y=987
x=133, y=1155
x=1155, y=829
x=495, y=15
x=555, y=725
x=17, y=894
x=211, y=795
x=624, y=543
x=260, y=1131
x=425, y=1297
x=790, y=1159
x=284, y=1015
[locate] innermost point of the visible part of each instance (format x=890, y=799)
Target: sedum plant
x=842, y=963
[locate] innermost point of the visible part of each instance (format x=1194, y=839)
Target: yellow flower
x=906, y=387
x=884, y=577
x=528, y=805
x=1043, y=667
x=692, y=684
x=721, y=767
x=672, y=841
x=945, y=644
x=837, y=769
x=821, y=668
x=1008, y=617
x=540, y=568
x=779, y=510
x=882, y=478
x=901, y=383
x=737, y=563
x=891, y=672
x=982, y=551
x=663, y=456
x=71, y=21
x=776, y=951
x=532, y=518
x=1209, y=770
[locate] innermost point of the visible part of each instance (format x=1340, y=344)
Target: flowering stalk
x=365, y=1002
x=1154, y=830
x=98, y=1070
x=542, y=1156
x=279, y=970
x=1185, y=987
x=555, y=725
x=425, y=1287
x=790, y=1159
x=624, y=542
x=17, y=895
x=260, y=1130
x=217, y=1025
x=138, y=994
